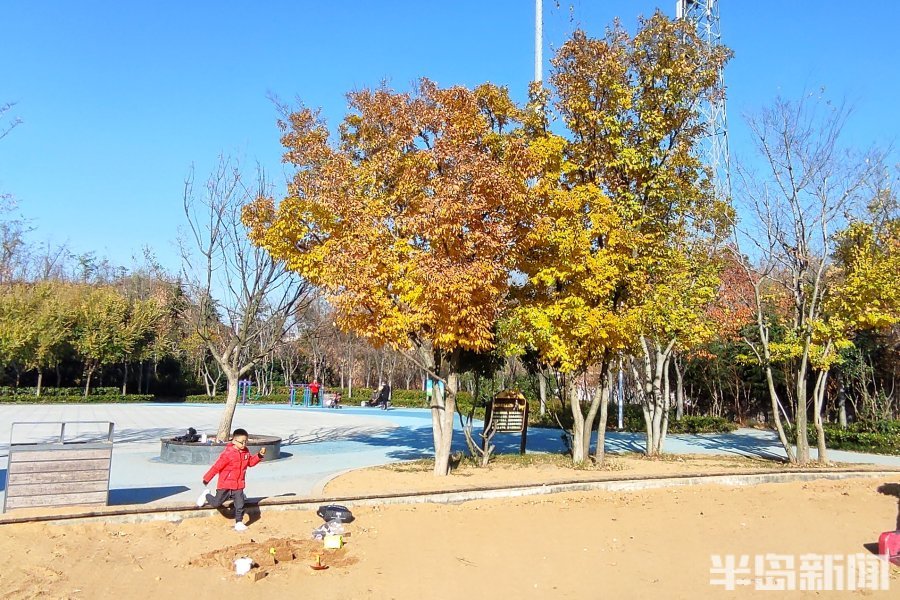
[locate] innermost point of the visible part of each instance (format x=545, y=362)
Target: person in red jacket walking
x=231, y=467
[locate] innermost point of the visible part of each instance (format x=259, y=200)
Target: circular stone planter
x=195, y=453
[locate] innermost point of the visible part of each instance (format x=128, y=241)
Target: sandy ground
x=512, y=470
x=575, y=545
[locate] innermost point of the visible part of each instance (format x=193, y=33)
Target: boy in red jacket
x=231, y=467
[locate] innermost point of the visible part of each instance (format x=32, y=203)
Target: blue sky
x=118, y=99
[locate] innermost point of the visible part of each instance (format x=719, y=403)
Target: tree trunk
x=40, y=380
x=667, y=404
x=578, y=453
x=800, y=416
x=87, y=382
x=818, y=405
x=542, y=387
x=766, y=360
x=442, y=409
x=654, y=400
x=776, y=413
x=350, y=381
x=656, y=406
x=606, y=384
x=140, y=382
x=679, y=390
x=842, y=404
x=231, y=398
x=125, y=379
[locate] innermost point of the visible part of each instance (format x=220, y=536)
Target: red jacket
x=231, y=468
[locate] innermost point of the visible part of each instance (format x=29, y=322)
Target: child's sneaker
x=240, y=527
x=201, y=501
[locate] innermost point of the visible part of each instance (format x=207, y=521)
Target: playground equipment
x=307, y=397
x=244, y=386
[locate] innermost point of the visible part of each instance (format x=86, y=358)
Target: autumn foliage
x=412, y=220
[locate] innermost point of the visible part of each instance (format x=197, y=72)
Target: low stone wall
x=195, y=453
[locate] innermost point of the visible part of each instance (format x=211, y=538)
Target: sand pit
x=277, y=554
x=585, y=545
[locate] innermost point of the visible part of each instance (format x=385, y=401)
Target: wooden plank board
x=47, y=466
x=61, y=477
x=18, y=455
x=42, y=489
x=507, y=422
x=58, y=500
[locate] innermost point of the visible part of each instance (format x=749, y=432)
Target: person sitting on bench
x=384, y=396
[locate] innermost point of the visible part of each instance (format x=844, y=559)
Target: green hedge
x=204, y=399
x=399, y=398
x=8, y=391
x=876, y=437
x=633, y=420
x=691, y=424
x=92, y=399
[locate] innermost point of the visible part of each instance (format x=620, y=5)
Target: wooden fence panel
x=58, y=474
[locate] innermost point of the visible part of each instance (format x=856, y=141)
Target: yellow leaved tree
x=860, y=293
x=409, y=222
x=617, y=265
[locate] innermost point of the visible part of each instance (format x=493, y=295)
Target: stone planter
x=195, y=453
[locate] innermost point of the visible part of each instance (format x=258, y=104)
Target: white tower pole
x=538, y=40
x=703, y=15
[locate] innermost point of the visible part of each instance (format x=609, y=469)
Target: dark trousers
x=222, y=496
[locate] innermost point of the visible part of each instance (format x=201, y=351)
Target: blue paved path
x=320, y=443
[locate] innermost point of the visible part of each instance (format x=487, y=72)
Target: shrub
x=701, y=424
x=6, y=391
x=633, y=420
x=220, y=399
x=876, y=437
x=399, y=398
x=78, y=399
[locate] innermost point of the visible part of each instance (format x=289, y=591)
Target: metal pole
x=538, y=40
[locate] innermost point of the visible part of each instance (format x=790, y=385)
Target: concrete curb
x=142, y=514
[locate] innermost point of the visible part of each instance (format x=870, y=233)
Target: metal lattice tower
x=704, y=15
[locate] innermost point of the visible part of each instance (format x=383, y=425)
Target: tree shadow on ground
x=622, y=442
x=144, y=495
x=334, y=434
x=153, y=434
x=892, y=489
x=252, y=511
x=742, y=444
x=408, y=443
x=403, y=443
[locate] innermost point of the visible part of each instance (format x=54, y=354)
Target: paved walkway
x=319, y=443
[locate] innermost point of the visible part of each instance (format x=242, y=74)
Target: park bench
x=56, y=470
x=507, y=412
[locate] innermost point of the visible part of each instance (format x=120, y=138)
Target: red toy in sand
x=889, y=546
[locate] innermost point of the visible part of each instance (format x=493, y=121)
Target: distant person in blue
x=384, y=396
